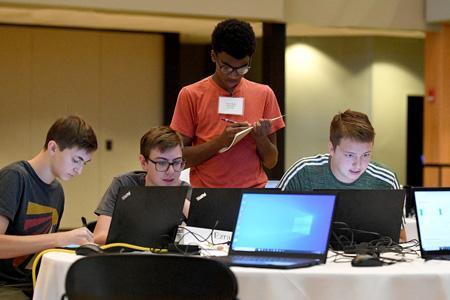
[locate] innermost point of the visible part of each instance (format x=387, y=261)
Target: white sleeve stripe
x=294, y=168
x=381, y=169
x=381, y=173
x=319, y=157
x=390, y=176
x=390, y=181
x=300, y=164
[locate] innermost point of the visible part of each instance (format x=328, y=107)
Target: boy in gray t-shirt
x=162, y=161
x=32, y=199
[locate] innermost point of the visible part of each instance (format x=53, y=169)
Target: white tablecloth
x=413, y=280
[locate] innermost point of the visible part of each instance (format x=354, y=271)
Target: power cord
x=122, y=246
x=347, y=249
x=200, y=239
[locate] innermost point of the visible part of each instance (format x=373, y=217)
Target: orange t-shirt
x=196, y=115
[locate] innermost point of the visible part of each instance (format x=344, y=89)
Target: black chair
x=148, y=276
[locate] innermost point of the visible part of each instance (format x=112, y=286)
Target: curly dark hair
x=234, y=37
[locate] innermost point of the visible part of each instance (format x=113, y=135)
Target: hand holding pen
x=228, y=120
x=263, y=127
x=233, y=121
x=230, y=130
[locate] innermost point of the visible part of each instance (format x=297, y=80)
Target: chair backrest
x=147, y=276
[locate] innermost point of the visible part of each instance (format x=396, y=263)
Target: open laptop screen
x=433, y=217
x=283, y=223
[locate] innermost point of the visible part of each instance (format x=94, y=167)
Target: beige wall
x=397, y=72
x=372, y=75
x=323, y=76
x=392, y=14
x=112, y=79
x=250, y=9
x=115, y=81
x=437, y=10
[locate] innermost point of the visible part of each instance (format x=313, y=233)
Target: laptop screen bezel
x=216, y=213
x=320, y=256
x=176, y=219
x=428, y=253
x=396, y=223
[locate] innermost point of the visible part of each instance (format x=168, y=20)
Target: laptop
x=214, y=208
x=276, y=229
x=147, y=216
x=433, y=222
x=362, y=216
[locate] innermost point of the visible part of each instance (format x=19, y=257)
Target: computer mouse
x=89, y=249
x=365, y=260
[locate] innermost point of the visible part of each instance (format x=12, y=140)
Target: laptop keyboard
x=441, y=257
x=265, y=260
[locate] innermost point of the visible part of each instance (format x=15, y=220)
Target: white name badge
x=231, y=105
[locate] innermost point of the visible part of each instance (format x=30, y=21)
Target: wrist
x=58, y=239
x=261, y=139
x=219, y=143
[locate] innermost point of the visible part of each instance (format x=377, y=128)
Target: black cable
x=196, y=236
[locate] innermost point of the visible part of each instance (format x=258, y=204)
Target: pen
x=276, y=118
x=228, y=120
x=83, y=220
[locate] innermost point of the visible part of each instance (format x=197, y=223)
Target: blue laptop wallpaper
x=289, y=223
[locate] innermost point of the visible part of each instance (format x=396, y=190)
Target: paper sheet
x=241, y=134
x=237, y=137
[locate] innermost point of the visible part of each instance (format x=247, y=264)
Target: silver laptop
x=277, y=229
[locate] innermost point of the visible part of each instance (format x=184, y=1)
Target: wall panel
x=112, y=79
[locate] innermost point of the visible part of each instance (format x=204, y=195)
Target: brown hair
x=161, y=137
x=70, y=132
x=353, y=125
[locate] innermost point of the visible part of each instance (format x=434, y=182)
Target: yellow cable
x=104, y=247
x=135, y=247
x=38, y=258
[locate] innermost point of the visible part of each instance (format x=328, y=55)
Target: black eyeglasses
x=164, y=165
x=227, y=69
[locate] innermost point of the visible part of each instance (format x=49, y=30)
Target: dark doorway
x=414, y=141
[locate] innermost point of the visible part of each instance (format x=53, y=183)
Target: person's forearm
x=195, y=155
x=101, y=229
x=267, y=152
x=15, y=245
x=100, y=237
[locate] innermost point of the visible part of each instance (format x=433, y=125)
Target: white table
x=413, y=280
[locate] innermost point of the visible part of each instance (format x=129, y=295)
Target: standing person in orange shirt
x=211, y=111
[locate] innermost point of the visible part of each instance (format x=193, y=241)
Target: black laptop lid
x=214, y=208
x=276, y=223
x=433, y=221
x=365, y=215
x=147, y=216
